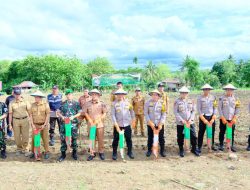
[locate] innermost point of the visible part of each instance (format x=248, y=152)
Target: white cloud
x=169, y=30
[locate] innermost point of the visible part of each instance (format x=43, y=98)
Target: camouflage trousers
x=74, y=135
x=2, y=141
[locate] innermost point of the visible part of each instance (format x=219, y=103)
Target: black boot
x=214, y=148
x=233, y=149
x=102, y=156
x=62, y=157
x=74, y=155
x=181, y=153
x=163, y=153
x=195, y=152
x=114, y=156
x=3, y=154
x=199, y=150
x=148, y=153
x=221, y=147
x=131, y=155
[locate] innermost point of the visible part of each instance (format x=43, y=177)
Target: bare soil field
x=209, y=171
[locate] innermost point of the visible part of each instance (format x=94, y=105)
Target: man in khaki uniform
x=164, y=96
x=95, y=112
x=18, y=113
x=138, y=102
x=119, y=85
x=85, y=98
x=39, y=119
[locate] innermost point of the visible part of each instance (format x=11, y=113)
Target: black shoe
x=74, y=155
x=248, y=148
x=214, y=148
x=91, y=157
x=181, y=153
x=163, y=153
x=46, y=156
x=32, y=155
x=114, y=156
x=221, y=148
x=62, y=157
x=131, y=155
x=199, y=150
x=52, y=142
x=148, y=154
x=195, y=152
x=233, y=149
x=102, y=156
x=3, y=154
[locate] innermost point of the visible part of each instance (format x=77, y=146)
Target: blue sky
x=162, y=31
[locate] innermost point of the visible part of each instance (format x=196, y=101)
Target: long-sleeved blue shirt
x=55, y=101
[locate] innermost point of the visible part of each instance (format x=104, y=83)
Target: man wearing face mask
x=184, y=110
x=155, y=114
x=228, y=109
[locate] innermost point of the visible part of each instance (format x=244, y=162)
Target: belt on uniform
x=123, y=127
x=20, y=118
x=39, y=123
x=208, y=115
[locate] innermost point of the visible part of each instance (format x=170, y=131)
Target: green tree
x=150, y=75
x=225, y=70
x=246, y=73
x=135, y=60
x=193, y=76
x=100, y=65
x=163, y=71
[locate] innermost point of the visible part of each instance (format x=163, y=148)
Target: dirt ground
x=210, y=171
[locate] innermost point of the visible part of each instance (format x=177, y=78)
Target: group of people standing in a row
x=42, y=115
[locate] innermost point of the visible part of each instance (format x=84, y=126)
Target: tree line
x=72, y=72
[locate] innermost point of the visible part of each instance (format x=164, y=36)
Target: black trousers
x=151, y=138
x=127, y=135
x=180, y=136
x=202, y=129
x=223, y=128
x=52, y=123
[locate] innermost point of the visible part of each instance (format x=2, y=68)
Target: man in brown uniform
x=85, y=98
x=39, y=119
x=18, y=111
x=95, y=112
x=164, y=96
x=119, y=85
x=138, y=102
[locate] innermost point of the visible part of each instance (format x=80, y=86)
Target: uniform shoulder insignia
x=237, y=103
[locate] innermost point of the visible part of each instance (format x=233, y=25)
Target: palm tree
x=150, y=74
x=135, y=60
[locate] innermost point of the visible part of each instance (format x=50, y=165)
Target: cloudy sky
x=162, y=31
